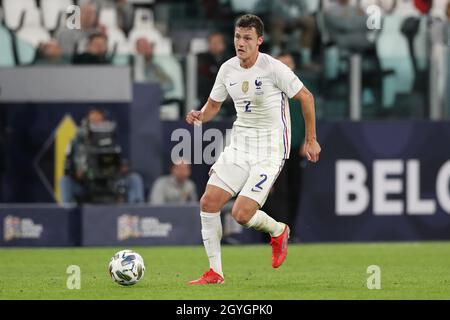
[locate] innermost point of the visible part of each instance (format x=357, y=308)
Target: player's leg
x=211, y=203
x=226, y=179
x=252, y=197
x=246, y=212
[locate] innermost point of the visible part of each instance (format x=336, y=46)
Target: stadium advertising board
x=38, y=225
x=140, y=225
x=378, y=181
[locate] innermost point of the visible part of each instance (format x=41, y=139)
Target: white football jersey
x=260, y=96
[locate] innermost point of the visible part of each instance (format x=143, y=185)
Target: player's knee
x=209, y=204
x=241, y=215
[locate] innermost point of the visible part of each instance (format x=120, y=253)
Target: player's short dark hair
x=250, y=21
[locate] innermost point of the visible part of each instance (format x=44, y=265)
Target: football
x=126, y=267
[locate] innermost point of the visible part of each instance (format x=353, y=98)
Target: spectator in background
x=123, y=8
x=208, y=65
x=285, y=195
x=74, y=184
x=73, y=40
x=96, y=51
x=287, y=16
x=175, y=188
x=347, y=26
x=50, y=53
x=146, y=69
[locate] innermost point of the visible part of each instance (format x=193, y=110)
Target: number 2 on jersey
x=247, y=106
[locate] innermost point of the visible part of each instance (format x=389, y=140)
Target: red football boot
x=280, y=248
x=209, y=277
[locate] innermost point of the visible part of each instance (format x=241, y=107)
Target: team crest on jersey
x=245, y=86
x=258, y=85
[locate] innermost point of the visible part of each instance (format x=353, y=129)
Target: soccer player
x=260, y=140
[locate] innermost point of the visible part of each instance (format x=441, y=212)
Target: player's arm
x=208, y=112
x=312, y=148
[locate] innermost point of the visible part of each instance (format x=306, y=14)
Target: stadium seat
x=6, y=49
x=313, y=5
x=406, y=8
x=31, y=30
x=393, y=52
x=143, y=19
x=25, y=51
x=108, y=17
x=13, y=10
x=198, y=45
x=51, y=11
x=438, y=9
x=143, y=26
x=117, y=41
x=420, y=44
x=164, y=47
x=325, y=4
x=385, y=5
x=118, y=44
x=239, y=6
x=173, y=68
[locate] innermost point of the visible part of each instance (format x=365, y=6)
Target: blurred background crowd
x=396, y=49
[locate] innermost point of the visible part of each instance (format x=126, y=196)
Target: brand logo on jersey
x=232, y=83
x=245, y=86
x=258, y=84
x=256, y=190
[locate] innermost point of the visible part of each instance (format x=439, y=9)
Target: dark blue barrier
x=39, y=225
x=140, y=225
x=402, y=163
x=36, y=225
x=375, y=181
x=378, y=181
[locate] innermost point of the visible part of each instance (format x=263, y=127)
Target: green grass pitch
x=329, y=271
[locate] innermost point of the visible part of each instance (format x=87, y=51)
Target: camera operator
x=94, y=170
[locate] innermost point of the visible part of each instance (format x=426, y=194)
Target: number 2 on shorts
x=264, y=178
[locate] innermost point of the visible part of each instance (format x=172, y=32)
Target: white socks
x=212, y=234
x=262, y=222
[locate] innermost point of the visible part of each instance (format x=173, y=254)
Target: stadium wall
x=376, y=181
x=52, y=225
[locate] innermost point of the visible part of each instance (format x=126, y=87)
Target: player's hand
x=194, y=117
x=312, y=150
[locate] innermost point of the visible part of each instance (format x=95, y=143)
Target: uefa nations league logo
x=21, y=228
